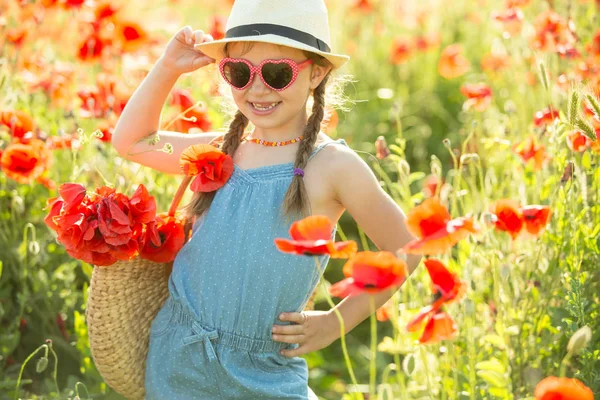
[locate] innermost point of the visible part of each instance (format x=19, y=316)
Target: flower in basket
x=106, y=226
x=162, y=238
x=210, y=166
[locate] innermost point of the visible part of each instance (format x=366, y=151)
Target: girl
x=231, y=326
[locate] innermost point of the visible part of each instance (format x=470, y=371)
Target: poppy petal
x=536, y=218
x=440, y=327
x=313, y=227
x=72, y=194
x=427, y=218
x=417, y=321
x=447, y=283
x=443, y=239
x=375, y=271
x=552, y=388
x=344, y=249
x=344, y=288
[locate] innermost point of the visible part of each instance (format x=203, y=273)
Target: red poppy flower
x=162, y=239
x=431, y=184
x=532, y=152
x=217, y=27
x=73, y=3
x=452, y=63
x=18, y=122
x=364, y=6
x=106, y=98
x=511, y=19
x=577, y=141
x=102, y=227
x=65, y=141
x=210, y=165
x=196, y=115
x=25, y=162
x=107, y=129
x=479, y=96
x=131, y=36
x=330, y=120
x=494, y=62
x=509, y=217
x=370, y=272
x=552, y=31
x=536, y=218
x=448, y=288
x=17, y=35
x=312, y=236
x=142, y=206
x=383, y=313
x=545, y=117
x=440, y=327
x=402, y=50
x=71, y=194
x=426, y=41
x=91, y=48
x=554, y=388
x=446, y=284
x=105, y=9
x=117, y=227
x=436, y=232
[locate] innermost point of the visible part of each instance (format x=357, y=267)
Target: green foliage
x=526, y=298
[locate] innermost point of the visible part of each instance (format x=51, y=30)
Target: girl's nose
x=257, y=85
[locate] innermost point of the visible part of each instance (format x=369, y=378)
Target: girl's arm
x=140, y=119
x=384, y=222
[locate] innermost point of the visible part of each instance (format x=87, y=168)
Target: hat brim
x=214, y=48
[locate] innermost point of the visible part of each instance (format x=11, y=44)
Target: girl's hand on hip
x=313, y=332
x=180, y=55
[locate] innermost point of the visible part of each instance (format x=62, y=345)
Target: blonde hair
x=295, y=203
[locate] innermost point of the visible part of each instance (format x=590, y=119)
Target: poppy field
x=479, y=118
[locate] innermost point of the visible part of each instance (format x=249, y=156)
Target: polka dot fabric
x=212, y=337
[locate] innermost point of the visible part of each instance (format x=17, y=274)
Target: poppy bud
x=579, y=340
x=381, y=148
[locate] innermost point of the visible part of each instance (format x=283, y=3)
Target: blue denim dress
x=212, y=337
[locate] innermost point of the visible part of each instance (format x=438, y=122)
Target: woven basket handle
x=181, y=191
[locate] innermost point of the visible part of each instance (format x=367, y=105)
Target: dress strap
x=321, y=146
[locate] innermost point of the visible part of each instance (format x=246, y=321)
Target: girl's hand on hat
x=180, y=56
x=312, y=330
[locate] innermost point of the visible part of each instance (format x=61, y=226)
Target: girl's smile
x=264, y=108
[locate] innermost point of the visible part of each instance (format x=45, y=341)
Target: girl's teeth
x=258, y=107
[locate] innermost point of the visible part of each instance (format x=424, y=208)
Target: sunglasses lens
x=236, y=73
x=277, y=75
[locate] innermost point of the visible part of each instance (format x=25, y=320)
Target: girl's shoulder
x=329, y=146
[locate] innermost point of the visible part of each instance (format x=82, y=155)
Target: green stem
x=373, y=364
x=77, y=390
x=396, y=330
x=342, y=328
x=563, y=365
x=363, y=239
x=426, y=367
x=45, y=347
x=55, y=372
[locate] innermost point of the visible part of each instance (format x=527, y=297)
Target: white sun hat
x=301, y=24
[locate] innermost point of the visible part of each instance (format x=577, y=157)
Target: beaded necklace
x=272, y=144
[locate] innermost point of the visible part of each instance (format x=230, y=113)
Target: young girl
x=231, y=327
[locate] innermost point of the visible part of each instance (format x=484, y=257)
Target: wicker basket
x=123, y=300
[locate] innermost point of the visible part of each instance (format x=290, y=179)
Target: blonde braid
x=296, y=202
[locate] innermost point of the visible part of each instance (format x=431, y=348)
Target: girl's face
x=288, y=117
